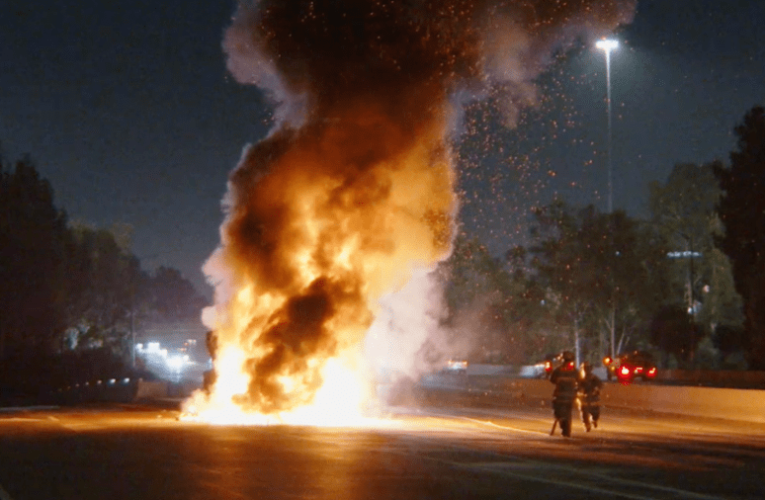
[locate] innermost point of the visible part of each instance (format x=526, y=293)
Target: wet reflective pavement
x=143, y=452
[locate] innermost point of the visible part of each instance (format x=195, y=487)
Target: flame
x=290, y=348
x=352, y=193
x=341, y=401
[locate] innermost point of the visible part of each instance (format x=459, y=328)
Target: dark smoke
x=357, y=86
x=318, y=54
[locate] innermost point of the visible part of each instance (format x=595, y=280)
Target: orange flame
x=326, y=219
x=290, y=336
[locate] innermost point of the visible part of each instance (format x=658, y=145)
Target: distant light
x=175, y=362
x=139, y=347
x=683, y=255
x=153, y=346
x=607, y=44
x=456, y=364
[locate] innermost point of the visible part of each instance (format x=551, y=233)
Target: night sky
x=127, y=109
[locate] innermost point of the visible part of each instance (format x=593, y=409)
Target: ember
x=353, y=191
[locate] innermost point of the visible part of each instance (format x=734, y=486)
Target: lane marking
x=500, y=468
x=488, y=423
x=592, y=488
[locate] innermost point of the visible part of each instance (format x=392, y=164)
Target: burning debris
x=352, y=193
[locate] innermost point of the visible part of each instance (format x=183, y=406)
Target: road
x=433, y=452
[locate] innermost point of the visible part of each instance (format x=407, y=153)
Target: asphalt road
x=434, y=452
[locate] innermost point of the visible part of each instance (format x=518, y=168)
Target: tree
x=684, y=213
x=742, y=212
x=673, y=332
x=171, y=297
x=32, y=247
x=105, y=284
x=593, y=264
x=496, y=304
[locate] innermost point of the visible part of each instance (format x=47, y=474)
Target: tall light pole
x=607, y=46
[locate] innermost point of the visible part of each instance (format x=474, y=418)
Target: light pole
x=607, y=46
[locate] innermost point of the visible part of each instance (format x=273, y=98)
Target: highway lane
x=431, y=452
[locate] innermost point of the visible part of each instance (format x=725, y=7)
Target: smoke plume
x=352, y=192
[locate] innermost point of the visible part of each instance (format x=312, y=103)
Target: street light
x=607, y=46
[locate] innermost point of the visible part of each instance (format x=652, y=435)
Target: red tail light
x=624, y=371
x=652, y=372
x=638, y=370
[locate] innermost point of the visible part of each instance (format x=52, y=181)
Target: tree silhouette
x=700, y=281
x=105, y=289
x=592, y=264
x=742, y=212
x=32, y=250
x=172, y=297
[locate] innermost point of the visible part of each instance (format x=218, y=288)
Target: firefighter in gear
x=589, y=396
x=566, y=380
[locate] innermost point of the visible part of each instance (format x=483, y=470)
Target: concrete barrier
x=754, y=379
x=713, y=402
x=150, y=390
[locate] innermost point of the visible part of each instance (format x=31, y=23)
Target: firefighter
x=210, y=376
x=589, y=396
x=566, y=381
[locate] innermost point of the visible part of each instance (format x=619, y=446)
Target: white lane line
x=488, y=423
x=610, y=493
x=503, y=427
x=4, y=494
x=539, y=475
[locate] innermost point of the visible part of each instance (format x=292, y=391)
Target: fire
x=342, y=400
x=290, y=336
x=353, y=192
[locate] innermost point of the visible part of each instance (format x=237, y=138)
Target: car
x=543, y=368
x=551, y=362
x=456, y=366
x=629, y=366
